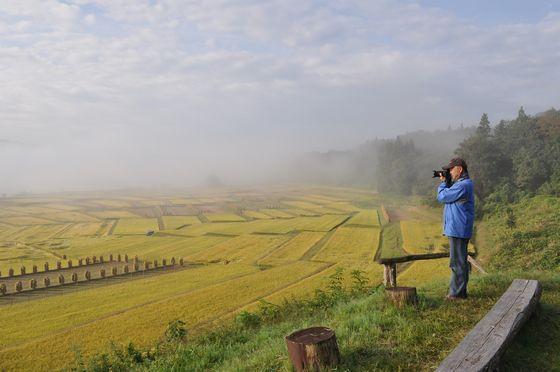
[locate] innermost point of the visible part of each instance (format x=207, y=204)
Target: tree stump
x=402, y=296
x=313, y=349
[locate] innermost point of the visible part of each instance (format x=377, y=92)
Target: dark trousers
x=459, y=266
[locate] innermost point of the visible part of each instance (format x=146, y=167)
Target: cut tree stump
x=313, y=349
x=402, y=296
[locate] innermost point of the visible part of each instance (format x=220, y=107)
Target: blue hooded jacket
x=458, y=211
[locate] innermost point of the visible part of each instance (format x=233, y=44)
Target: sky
x=121, y=93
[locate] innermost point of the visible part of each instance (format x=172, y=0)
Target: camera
x=444, y=173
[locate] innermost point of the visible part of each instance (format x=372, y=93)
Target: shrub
x=176, y=331
x=247, y=319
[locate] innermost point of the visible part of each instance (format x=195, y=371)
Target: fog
x=113, y=94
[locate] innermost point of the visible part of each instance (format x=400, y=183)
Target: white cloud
x=275, y=76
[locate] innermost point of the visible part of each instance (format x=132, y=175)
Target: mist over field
x=114, y=94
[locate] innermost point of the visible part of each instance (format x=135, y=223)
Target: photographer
x=458, y=198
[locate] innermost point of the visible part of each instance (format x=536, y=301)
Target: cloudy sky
x=112, y=93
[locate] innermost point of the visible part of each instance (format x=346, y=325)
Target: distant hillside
x=361, y=166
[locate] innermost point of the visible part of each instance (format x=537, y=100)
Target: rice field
x=136, y=226
x=177, y=222
x=365, y=218
x=223, y=217
x=284, y=243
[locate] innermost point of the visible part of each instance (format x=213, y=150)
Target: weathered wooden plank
x=482, y=348
x=414, y=257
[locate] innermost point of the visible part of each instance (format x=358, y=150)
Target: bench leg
x=390, y=275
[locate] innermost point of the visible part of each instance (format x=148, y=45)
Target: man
x=458, y=219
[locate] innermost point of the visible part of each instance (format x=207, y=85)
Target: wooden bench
x=390, y=264
x=482, y=348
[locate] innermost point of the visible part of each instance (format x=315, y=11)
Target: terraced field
x=240, y=246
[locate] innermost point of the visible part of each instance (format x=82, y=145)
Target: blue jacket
x=458, y=212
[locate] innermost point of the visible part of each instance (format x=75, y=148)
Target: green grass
x=391, y=242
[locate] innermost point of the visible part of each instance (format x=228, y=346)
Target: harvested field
x=135, y=226
x=350, y=244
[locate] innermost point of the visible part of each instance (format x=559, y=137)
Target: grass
x=391, y=241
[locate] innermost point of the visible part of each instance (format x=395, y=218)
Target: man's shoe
x=454, y=298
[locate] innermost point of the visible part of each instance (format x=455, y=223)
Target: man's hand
x=441, y=177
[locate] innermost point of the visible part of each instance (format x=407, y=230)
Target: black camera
x=444, y=173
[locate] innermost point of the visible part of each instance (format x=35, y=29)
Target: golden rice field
x=241, y=246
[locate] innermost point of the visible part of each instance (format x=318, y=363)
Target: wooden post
x=155, y=264
x=114, y=271
x=88, y=275
x=32, y=284
x=119, y=257
x=58, y=265
x=390, y=275
x=63, y=256
x=110, y=258
x=80, y=261
x=61, y=279
x=19, y=286
x=47, y=281
x=88, y=260
x=34, y=269
x=181, y=262
x=172, y=261
x=69, y=264
x=163, y=262
x=11, y=272
x=101, y=259
x=313, y=349
x=75, y=278
x=46, y=266
x=22, y=270
x=125, y=269
x=402, y=296
x=102, y=273
x=94, y=259
x=126, y=258
x=3, y=289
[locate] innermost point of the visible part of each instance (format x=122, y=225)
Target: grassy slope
x=373, y=335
